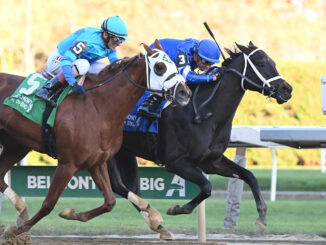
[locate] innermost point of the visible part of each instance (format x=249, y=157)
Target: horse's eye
x=260, y=64
x=159, y=68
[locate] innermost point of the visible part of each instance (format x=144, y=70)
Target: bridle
x=266, y=87
x=167, y=94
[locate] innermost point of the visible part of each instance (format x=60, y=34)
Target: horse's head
x=162, y=74
x=260, y=74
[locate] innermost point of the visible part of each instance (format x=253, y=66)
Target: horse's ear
x=157, y=45
x=148, y=49
x=241, y=47
x=251, y=44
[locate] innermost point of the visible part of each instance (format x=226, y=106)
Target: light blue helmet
x=208, y=50
x=116, y=26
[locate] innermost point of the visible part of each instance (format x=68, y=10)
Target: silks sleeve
x=113, y=56
x=192, y=78
x=66, y=66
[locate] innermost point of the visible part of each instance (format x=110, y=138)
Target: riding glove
x=218, y=72
x=77, y=89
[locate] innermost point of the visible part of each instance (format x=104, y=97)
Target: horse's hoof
x=166, y=235
x=67, y=213
x=260, y=226
x=22, y=218
x=10, y=232
x=172, y=210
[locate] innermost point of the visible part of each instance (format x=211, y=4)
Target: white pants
x=53, y=65
x=234, y=195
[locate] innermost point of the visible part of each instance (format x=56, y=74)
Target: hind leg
x=12, y=152
x=123, y=171
x=227, y=168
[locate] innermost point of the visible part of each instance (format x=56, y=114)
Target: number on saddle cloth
x=24, y=101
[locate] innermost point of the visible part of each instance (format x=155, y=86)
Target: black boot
x=51, y=88
x=150, y=107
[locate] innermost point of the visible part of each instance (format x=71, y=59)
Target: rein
x=124, y=69
x=198, y=118
x=116, y=75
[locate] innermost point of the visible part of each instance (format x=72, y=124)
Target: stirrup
x=147, y=113
x=51, y=103
x=48, y=100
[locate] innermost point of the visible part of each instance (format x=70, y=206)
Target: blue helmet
x=208, y=50
x=116, y=26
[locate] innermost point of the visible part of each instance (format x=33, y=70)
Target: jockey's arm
x=192, y=78
x=66, y=66
x=113, y=56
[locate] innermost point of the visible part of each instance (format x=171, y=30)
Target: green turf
x=284, y=216
x=287, y=180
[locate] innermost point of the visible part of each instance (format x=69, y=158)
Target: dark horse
x=193, y=139
x=88, y=129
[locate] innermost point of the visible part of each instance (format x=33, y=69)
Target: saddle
x=24, y=101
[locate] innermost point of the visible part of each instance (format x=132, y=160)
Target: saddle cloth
x=31, y=107
x=137, y=123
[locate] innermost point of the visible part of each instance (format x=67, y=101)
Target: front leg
x=101, y=178
x=227, y=168
x=61, y=178
x=188, y=171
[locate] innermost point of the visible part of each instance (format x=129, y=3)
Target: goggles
x=205, y=62
x=118, y=40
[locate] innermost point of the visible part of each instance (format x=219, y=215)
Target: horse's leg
x=152, y=217
x=101, y=178
x=189, y=172
x=228, y=168
x=61, y=178
x=11, y=152
x=128, y=168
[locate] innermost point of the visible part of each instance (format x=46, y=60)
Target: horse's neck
x=120, y=92
x=229, y=94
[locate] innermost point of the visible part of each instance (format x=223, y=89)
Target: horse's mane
x=238, y=50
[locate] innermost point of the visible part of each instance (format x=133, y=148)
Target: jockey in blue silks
x=79, y=53
x=188, y=55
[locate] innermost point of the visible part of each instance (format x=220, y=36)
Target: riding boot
x=150, y=107
x=46, y=93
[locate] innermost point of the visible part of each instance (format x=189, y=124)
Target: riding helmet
x=115, y=26
x=208, y=50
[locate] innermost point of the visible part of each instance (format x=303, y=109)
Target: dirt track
x=213, y=239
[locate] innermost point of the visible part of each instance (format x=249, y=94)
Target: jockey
x=188, y=55
x=79, y=53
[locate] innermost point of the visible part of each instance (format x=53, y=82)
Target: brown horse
x=88, y=129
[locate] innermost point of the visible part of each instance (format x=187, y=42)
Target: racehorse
x=193, y=138
x=88, y=129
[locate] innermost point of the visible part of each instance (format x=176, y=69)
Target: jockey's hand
x=218, y=72
x=216, y=76
x=77, y=89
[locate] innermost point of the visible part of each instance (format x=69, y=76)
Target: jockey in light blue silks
x=79, y=53
x=188, y=55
